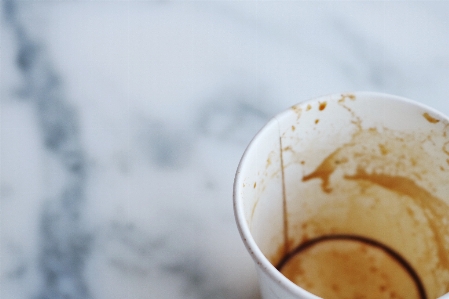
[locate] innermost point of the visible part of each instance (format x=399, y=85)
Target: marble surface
x=122, y=124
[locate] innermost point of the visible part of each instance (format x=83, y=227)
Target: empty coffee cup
x=347, y=196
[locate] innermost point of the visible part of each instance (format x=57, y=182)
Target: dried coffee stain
x=284, y=201
x=383, y=149
x=345, y=96
x=324, y=171
x=287, y=148
x=268, y=162
x=430, y=119
x=446, y=148
x=298, y=110
x=436, y=209
x=356, y=119
x=322, y=106
x=350, y=96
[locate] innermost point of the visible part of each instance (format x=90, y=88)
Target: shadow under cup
x=348, y=197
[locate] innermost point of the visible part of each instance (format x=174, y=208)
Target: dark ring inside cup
x=407, y=267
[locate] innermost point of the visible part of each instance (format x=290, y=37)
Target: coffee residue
x=436, y=208
x=324, y=171
x=346, y=266
x=322, y=106
x=430, y=119
x=298, y=110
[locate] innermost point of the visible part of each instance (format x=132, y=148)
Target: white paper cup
x=348, y=177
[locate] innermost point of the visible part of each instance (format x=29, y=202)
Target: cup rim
x=258, y=257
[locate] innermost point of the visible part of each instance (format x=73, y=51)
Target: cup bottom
x=353, y=267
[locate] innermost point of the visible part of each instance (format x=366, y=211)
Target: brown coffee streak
x=420, y=196
x=430, y=119
x=284, y=202
x=324, y=171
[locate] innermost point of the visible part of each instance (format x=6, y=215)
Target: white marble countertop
x=122, y=124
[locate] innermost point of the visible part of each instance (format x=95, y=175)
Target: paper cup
x=348, y=196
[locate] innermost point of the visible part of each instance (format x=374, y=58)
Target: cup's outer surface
x=258, y=206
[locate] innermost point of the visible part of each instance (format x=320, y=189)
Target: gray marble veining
x=64, y=243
